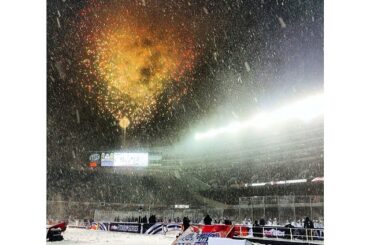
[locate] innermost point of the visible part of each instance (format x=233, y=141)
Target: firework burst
x=133, y=61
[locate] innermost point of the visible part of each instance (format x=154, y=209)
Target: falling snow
x=247, y=67
x=175, y=69
x=282, y=23
x=58, y=22
x=205, y=10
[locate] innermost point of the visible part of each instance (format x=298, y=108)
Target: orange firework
x=136, y=62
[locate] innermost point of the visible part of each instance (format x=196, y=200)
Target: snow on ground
x=77, y=236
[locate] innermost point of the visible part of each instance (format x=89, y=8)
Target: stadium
x=262, y=173
x=161, y=112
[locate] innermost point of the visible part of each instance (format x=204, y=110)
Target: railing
x=283, y=208
x=285, y=233
x=275, y=208
x=280, y=200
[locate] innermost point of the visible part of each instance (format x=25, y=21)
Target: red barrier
x=241, y=230
x=224, y=230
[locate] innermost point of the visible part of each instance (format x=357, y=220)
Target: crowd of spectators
x=238, y=174
x=96, y=186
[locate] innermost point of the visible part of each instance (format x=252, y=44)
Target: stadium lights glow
x=182, y=206
x=318, y=179
x=296, y=181
x=258, y=184
x=303, y=110
x=280, y=182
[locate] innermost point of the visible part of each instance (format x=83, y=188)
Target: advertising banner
x=275, y=232
x=158, y=228
x=241, y=230
x=199, y=235
x=125, y=227
x=223, y=230
x=98, y=226
x=193, y=238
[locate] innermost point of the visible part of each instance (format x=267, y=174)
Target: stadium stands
x=210, y=175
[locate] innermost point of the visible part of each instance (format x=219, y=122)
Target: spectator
x=299, y=223
x=207, y=220
x=185, y=223
x=262, y=222
x=289, y=226
x=308, y=223
x=257, y=230
x=275, y=223
x=289, y=232
x=145, y=220
x=269, y=222
x=152, y=219
x=164, y=228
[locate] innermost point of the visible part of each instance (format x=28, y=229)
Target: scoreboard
x=130, y=159
x=120, y=159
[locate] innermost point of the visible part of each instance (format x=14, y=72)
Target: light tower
x=124, y=122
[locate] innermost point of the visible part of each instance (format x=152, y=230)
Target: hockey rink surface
x=96, y=237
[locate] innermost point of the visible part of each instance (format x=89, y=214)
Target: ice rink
x=97, y=237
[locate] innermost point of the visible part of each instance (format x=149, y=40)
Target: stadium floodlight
x=258, y=184
x=280, y=182
x=294, y=181
x=304, y=110
x=182, y=206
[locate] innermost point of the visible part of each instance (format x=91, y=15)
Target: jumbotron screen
x=124, y=159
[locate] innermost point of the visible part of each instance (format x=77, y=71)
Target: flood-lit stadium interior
x=185, y=108
x=210, y=175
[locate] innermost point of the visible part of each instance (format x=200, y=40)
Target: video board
x=125, y=159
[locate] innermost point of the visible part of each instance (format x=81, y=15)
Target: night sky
x=170, y=66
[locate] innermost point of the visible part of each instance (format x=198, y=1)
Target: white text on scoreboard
x=126, y=159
